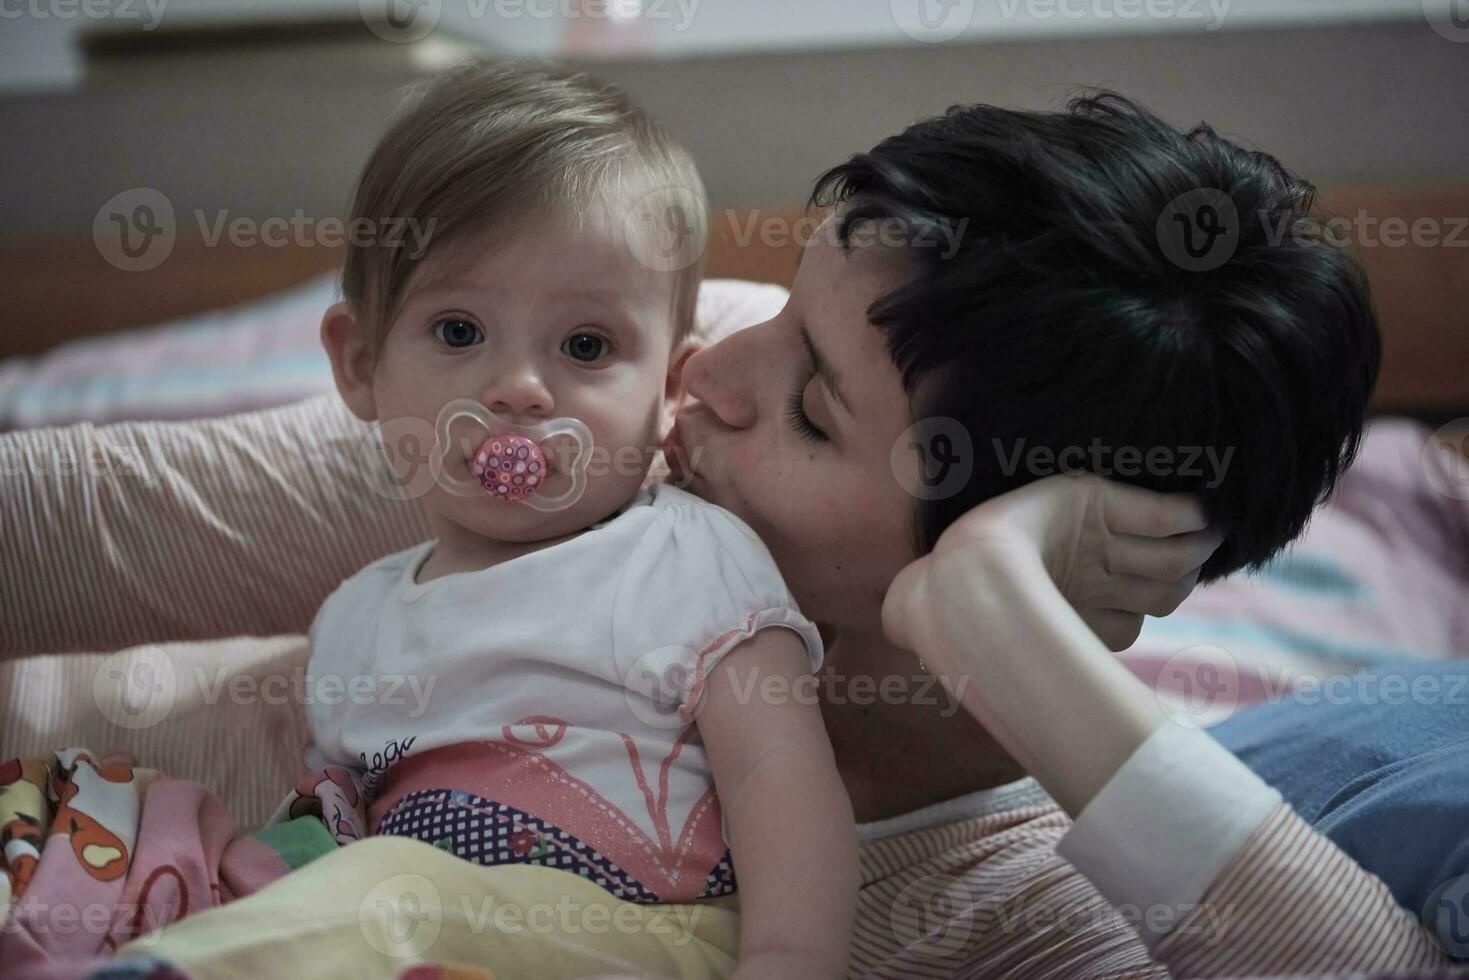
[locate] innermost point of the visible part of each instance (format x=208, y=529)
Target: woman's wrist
x=1040, y=680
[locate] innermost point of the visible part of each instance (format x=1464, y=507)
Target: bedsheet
x=1379, y=576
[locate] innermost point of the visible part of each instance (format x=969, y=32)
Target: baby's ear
x=346, y=344
x=673, y=389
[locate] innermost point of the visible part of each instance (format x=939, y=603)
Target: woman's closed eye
x=796, y=413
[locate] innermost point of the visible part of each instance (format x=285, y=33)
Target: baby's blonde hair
x=488, y=142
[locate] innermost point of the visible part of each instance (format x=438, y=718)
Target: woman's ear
x=346, y=344
x=673, y=390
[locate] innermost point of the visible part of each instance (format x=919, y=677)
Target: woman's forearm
x=1170, y=826
x=1039, y=680
x=159, y=531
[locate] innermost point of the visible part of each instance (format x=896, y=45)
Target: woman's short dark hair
x=1117, y=288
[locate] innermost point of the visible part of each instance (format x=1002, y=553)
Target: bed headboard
x=60, y=290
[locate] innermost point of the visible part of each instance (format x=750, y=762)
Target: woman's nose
x=720, y=377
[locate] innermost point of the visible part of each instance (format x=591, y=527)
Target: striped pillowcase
x=256, y=355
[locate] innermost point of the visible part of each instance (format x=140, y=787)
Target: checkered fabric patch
x=490, y=833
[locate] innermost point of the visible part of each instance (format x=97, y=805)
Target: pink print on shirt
x=506, y=787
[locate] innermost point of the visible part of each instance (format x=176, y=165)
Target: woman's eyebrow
x=824, y=372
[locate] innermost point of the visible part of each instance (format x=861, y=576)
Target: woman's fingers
x=1160, y=559
x=1135, y=594
x=1134, y=510
x=1117, y=629
x=1135, y=598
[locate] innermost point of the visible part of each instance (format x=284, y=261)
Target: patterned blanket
x=95, y=852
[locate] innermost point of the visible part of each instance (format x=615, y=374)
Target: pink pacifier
x=510, y=467
x=509, y=463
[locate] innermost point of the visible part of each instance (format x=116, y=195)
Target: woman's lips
x=674, y=456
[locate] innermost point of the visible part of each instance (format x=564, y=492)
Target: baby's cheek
x=628, y=445
x=613, y=479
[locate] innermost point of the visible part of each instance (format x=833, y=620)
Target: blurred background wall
x=765, y=92
x=258, y=111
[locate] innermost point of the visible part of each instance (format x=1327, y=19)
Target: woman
x=1064, y=321
x=1060, y=320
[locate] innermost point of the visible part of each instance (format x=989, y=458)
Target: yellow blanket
x=386, y=904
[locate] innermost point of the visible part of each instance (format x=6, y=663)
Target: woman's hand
x=1115, y=552
x=1008, y=607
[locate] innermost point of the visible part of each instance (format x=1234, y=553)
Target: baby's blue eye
x=584, y=346
x=458, y=333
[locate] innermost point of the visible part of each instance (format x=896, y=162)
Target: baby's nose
x=520, y=396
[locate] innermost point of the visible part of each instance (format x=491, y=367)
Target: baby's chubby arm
x=788, y=817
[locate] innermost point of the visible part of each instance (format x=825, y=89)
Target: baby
x=594, y=654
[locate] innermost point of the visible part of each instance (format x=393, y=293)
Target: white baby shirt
x=539, y=710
